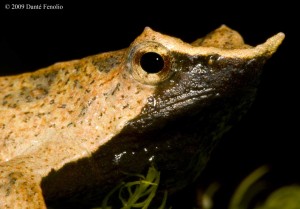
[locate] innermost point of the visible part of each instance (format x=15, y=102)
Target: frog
x=70, y=131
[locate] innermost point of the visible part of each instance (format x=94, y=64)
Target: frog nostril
x=152, y=62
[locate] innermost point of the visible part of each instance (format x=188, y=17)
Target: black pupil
x=152, y=62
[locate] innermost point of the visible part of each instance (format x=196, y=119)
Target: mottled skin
x=75, y=126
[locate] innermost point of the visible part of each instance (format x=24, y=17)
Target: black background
x=268, y=134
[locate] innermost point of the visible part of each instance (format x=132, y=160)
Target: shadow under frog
x=201, y=90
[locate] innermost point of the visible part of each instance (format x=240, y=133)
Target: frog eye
x=150, y=63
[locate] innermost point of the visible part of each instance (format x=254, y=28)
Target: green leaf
x=137, y=194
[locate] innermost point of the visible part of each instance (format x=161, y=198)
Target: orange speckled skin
x=64, y=113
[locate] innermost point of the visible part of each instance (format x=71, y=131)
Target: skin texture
x=75, y=126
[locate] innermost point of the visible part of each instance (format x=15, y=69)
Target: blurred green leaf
x=287, y=197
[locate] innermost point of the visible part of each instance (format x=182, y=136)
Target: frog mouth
x=177, y=104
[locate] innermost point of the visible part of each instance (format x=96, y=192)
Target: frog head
x=200, y=90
